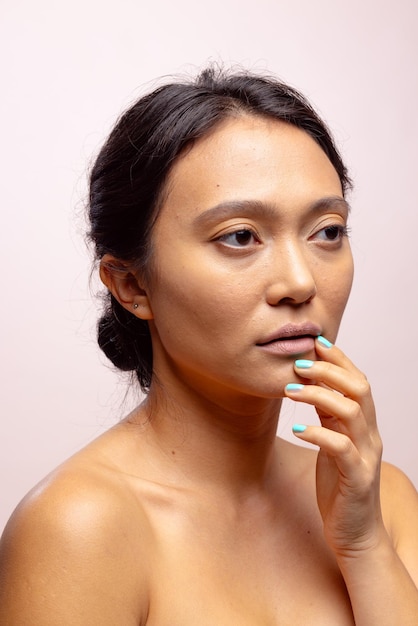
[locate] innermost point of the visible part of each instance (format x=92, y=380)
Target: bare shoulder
x=399, y=497
x=67, y=554
x=400, y=512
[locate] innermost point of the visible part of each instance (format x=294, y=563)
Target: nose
x=292, y=279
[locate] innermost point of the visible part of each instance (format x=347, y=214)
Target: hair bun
x=124, y=339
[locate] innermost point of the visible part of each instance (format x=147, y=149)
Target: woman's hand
x=348, y=466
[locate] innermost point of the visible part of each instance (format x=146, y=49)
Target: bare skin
x=191, y=511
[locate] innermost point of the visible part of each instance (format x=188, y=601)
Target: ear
x=123, y=284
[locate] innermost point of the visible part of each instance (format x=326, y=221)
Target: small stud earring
x=135, y=305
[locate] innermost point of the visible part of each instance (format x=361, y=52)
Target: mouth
x=291, y=339
x=292, y=332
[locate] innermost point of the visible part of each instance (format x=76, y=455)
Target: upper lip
x=292, y=331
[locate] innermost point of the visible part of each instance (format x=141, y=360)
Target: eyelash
x=239, y=231
x=339, y=230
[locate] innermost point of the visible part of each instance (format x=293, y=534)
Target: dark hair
x=128, y=177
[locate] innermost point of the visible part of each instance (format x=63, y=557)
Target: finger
x=326, y=401
x=349, y=461
x=331, y=353
x=352, y=384
x=337, y=413
x=342, y=449
x=358, y=388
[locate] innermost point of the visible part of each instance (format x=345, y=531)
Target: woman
x=219, y=217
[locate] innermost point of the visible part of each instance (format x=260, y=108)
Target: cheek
x=196, y=300
x=336, y=291
x=340, y=298
x=347, y=276
x=199, y=323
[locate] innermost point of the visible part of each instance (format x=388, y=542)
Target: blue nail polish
x=294, y=387
x=324, y=342
x=304, y=364
x=298, y=428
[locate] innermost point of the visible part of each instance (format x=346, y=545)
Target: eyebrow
x=256, y=208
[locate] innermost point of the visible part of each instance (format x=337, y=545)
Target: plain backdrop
x=67, y=71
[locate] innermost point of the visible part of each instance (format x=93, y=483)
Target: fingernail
x=324, y=342
x=294, y=387
x=304, y=364
x=298, y=428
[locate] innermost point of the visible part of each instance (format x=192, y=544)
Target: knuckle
x=353, y=411
x=345, y=445
x=327, y=367
x=363, y=387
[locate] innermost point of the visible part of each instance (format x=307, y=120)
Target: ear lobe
x=123, y=284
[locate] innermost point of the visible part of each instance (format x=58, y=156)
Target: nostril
x=292, y=290
x=297, y=301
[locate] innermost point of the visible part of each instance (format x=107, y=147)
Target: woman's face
x=250, y=259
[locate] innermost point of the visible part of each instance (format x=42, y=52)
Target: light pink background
x=67, y=71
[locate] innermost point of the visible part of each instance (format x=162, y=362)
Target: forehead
x=250, y=158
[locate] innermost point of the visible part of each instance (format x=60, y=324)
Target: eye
x=241, y=238
x=332, y=233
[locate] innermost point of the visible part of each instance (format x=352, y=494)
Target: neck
x=215, y=443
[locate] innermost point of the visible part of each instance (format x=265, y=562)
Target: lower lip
x=290, y=346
